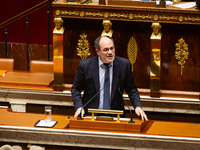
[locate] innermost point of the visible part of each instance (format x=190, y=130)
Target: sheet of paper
x=45, y=123
x=185, y=5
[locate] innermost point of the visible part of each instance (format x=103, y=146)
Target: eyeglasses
x=106, y=50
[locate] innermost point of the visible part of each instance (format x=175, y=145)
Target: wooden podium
x=123, y=126
x=107, y=123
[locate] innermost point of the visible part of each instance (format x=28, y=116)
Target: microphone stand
x=80, y=116
x=131, y=121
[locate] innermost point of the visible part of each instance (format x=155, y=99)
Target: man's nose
x=109, y=51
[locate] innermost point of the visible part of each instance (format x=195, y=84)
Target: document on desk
x=45, y=123
x=185, y=5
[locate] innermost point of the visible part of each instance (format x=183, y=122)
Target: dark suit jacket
x=87, y=80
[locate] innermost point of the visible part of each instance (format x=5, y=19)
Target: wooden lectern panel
x=124, y=126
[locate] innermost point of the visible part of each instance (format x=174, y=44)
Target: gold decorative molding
x=163, y=17
x=57, y=12
x=132, y=51
x=82, y=13
x=106, y=15
x=130, y=16
x=69, y=13
x=193, y=19
x=83, y=47
x=181, y=53
x=118, y=15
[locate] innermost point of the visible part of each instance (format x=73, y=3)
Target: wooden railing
x=25, y=14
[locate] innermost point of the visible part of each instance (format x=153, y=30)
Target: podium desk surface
x=179, y=129
x=19, y=128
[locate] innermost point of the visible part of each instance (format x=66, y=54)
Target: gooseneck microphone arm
x=131, y=121
x=80, y=116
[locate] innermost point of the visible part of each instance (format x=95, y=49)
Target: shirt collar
x=101, y=62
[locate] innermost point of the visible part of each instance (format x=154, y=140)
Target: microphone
x=131, y=121
x=80, y=116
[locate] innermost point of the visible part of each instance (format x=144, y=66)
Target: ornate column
x=155, y=60
x=58, y=54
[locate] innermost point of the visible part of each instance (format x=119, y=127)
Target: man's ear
x=97, y=51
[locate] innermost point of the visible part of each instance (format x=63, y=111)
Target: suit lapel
x=95, y=73
x=115, y=77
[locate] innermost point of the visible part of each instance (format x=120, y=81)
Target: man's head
x=105, y=48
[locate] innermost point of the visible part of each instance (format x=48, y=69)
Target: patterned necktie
x=106, y=97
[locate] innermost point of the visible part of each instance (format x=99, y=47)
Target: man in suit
x=90, y=78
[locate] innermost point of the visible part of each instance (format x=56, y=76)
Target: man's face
x=107, y=50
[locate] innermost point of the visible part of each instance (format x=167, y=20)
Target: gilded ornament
x=168, y=17
x=83, y=47
x=130, y=16
x=107, y=24
x=193, y=19
x=106, y=15
x=150, y=17
x=180, y=18
x=156, y=34
x=132, y=51
x=175, y=18
x=82, y=13
x=58, y=26
x=155, y=17
x=181, y=53
x=57, y=12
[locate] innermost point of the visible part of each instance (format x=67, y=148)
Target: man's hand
x=141, y=113
x=78, y=111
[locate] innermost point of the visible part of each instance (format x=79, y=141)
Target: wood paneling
x=170, y=76
x=122, y=32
